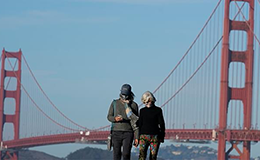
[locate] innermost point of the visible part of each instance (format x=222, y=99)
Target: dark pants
x=119, y=139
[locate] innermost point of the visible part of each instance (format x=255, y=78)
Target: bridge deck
x=101, y=136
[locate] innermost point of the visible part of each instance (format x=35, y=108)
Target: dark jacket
x=120, y=110
x=151, y=122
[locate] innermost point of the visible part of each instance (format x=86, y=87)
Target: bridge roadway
x=101, y=137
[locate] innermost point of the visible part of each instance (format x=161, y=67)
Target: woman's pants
x=145, y=142
x=119, y=139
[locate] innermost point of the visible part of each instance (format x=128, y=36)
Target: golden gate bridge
x=211, y=94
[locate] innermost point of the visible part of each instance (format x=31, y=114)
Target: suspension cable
x=189, y=48
x=248, y=24
x=35, y=102
x=49, y=98
x=184, y=84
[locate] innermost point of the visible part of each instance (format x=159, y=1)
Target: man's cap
x=126, y=90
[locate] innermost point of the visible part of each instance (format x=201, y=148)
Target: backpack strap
x=114, y=110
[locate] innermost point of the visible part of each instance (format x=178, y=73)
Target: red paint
x=15, y=118
x=227, y=93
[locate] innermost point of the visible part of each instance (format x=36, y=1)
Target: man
x=122, y=130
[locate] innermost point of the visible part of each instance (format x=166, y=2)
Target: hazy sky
x=82, y=51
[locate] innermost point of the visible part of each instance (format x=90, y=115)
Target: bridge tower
x=228, y=93
x=15, y=94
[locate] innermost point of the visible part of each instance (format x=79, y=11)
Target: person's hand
x=118, y=118
x=127, y=110
x=136, y=142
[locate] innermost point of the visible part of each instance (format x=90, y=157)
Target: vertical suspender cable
x=205, y=40
x=168, y=106
x=178, y=102
x=202, y=84
x=207, y=77
x=192, y=59
x=212, y=30
x=258, y=66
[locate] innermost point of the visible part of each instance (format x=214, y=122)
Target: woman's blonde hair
x=148, y=97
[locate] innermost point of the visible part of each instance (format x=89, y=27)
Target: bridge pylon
x=14, y=94
x=228, y=93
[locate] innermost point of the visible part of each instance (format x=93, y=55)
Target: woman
x=151, y=127
x=122, y=131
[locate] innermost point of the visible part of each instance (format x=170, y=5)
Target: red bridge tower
x=228, y=93
x=15, y=94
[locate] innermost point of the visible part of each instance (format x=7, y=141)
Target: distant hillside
x=91, y=154
x=36, y=155
x=183, y=152
x=172, y=152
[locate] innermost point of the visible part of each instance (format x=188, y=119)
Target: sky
x=83, y=51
